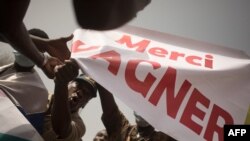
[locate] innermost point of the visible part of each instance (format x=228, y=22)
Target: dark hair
x=39, y=33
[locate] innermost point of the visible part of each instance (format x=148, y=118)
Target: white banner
x=185, y=88
x=14, y=126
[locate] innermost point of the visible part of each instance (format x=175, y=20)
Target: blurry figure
x=106, y=14
x=6, y=54
x=14, y=32
x=118, y=127
x=71, y=93
x=21, y=82
x=90, y=14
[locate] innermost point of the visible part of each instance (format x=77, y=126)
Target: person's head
x=101, y=136
x=81, y=90
x=106, y=14
x=39, y=33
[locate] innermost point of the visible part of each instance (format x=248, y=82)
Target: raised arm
x=13, y=31
x=60, y=112
x=107, y=101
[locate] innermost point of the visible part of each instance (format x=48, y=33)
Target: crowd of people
x=56, y=116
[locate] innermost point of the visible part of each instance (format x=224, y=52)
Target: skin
x=13, y=31
x=108, y=15
x=69, y=97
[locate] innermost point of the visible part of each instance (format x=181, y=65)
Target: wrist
x=45, y=60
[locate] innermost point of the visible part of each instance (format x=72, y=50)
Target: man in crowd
x=62, y=121
x=21, y=81
x=108, y=14
x=118, y=127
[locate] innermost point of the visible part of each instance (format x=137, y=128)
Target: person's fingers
x=62, y=73
x=74, y=62
x=66, y=72
x=66, y=39
x=73, y=65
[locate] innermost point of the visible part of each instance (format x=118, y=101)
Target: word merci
x=167, y=84
x=161, y=52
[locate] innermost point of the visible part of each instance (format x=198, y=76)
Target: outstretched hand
x=58, y=48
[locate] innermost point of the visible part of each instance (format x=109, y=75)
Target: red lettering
x=212, y=123
x=160, y=52
x=141, y=46
x=113, y=58
x=174, y=55
x=168, y=82
x=191, y=60
x=209, y=61
x=191, y=109
x=77, y=44
x=135, y=84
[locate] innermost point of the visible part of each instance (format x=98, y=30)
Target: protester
x=13, y=31
x=91, y=14
x=21, y=82
x=62, y=121
x=118, y=127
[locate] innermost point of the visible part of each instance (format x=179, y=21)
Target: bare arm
x=107, y=101
x=13, y=31
x=55, y=47
x=21, y=41
x=60, y=113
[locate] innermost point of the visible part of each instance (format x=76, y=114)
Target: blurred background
x=221, y=22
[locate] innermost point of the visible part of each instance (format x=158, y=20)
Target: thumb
x=66, y=39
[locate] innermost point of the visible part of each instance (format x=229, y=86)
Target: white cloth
x=13, y=124
x=26, y=87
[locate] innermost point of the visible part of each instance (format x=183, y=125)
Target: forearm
x=12, y=13
x=40, y=43
x=107, y=101
x=60, y=113
x=20, y=40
